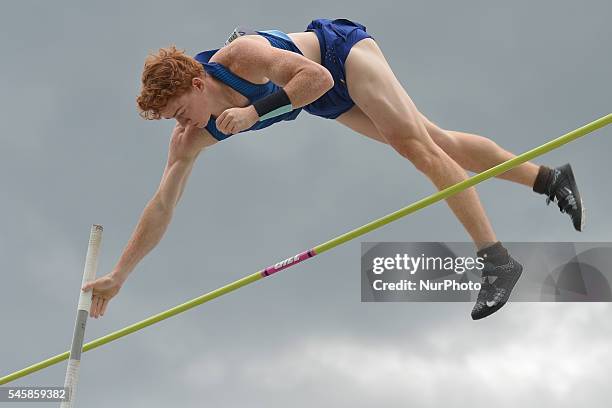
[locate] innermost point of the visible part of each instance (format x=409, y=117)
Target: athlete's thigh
x=358, y=121
x=375, y=89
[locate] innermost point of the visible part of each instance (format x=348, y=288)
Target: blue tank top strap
x=276, y=33
x=250, y=90
x=278, y=39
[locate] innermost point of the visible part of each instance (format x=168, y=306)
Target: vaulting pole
x=89, y=274
x=440, y=195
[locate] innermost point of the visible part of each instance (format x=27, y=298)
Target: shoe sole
x=567, y=168
x=495, y=308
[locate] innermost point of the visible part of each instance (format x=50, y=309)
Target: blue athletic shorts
x=336, y=37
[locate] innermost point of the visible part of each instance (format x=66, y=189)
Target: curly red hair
x=165, y=75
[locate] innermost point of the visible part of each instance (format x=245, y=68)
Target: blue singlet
x=336, y=37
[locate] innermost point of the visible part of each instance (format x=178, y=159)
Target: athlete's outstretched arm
x=185, y=146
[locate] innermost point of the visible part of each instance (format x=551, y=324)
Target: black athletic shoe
x=480, y=309
x=563, y=189
x=497, y=284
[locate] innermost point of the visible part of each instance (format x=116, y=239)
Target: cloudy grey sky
x=74, y=152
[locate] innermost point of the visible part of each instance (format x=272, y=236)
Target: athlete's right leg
x=472, y=152
x=477, y=153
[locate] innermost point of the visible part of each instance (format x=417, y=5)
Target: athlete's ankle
x=543, y=180
x=496, y=254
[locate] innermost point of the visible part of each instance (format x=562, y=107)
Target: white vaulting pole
x=89, y=274
x=326, y=246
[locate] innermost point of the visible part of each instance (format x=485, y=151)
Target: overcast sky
x=74, y=152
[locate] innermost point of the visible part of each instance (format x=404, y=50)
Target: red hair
x=165, y=75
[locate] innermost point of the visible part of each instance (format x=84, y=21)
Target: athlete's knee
x=401, y=131
x=416, y=147
x=423, y=157
x=445, y=140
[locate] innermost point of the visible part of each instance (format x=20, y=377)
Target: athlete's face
x=191, y=108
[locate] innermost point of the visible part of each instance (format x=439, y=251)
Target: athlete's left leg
x=375, y=89
x=377, y=92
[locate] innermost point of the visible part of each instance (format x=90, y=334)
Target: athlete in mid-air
x=334, y=70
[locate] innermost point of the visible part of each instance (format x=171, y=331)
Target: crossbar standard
x=427, y=201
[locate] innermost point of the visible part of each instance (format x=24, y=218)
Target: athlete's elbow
x=327, y=80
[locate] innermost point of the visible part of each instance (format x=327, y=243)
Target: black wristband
x=273, y=105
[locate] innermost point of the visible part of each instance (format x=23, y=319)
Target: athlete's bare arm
x=185, y=146
x=303, y=80
x=254, y=59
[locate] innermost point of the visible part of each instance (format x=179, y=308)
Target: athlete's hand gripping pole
x=89, y=274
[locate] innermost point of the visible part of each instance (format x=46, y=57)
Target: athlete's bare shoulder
x=233, y=56
x=188, y=142
x=228, y=53
x=253, y=58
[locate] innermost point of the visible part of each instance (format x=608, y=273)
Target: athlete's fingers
x=221, y=121
x=104, y=305
x=218, y=124
x=227, y=121
x=97, y=308
x=92, y=308
x=221, y=116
